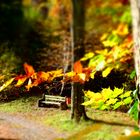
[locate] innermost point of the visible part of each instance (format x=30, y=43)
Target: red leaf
x=78, y=67
x=28, y=69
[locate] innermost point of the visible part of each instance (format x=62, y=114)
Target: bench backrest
x=55, y=98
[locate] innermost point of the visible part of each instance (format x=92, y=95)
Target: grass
x=23, y=104
x=106, y=125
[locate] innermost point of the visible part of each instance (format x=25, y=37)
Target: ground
x=23, y=120
x=18, y=127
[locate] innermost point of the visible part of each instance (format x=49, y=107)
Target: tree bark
x=135, y=10
x=77, y=33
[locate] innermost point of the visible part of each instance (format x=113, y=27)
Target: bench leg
x=63, y=106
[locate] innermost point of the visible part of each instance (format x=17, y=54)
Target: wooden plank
x=55, y=103
x=50, y=96
x=57, y=100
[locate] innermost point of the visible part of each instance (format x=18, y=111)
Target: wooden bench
x=53, y=101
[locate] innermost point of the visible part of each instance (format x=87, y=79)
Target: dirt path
x=18, y=128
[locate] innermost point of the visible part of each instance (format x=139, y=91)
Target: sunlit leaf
x=117, y=105
x=78, y=67
x=112, y=40
x=20, y=80
x=82, y=76
x=28, y=69
x=100, y=65
x=70, y=74
x=111, y=101
x=128, y=100
x=106, y=71
x=29, y=85
x=117, y=91
x=87, y=103
x=103, y=52
x=87, y=56
x=92, y=74
x=6, y=84
x=126, y=94
x=103, y=107
x=122, y=29
x=104, y=36
x=43, y=75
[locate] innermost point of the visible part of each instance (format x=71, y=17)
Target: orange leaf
x=28, y=69
x=20, y=80
x=78, y=67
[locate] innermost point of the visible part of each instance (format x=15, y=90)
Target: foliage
x=133, y=111
x=33, y=78
x=8, y=66
x=108, y=99
x=117, y=52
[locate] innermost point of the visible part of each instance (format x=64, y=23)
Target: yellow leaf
x=92, y=74
x=122, y=29
x=82, y=76
x=111, y=101
x=6, y=84
x=87, y=103
x=21, y=81
x=103, y=37
x=106, y=71
x=70, y=74
x=87, y=56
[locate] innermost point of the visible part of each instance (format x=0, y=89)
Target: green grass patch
x=24, y=104
x=61, y=121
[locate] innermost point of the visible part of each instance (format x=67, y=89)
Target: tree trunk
x=135, y=10
x=77, y=33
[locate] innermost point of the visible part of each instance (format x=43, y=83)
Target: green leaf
x=135, y=93
x=133, y=111
x=104, y=107
x=133, y=74
x=126, y=94
x=127, y=100
x=117, y=105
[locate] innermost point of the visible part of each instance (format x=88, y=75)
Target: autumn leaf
x=20, y=80
x=78, y=67
x=87, y=56
x=29, y=70
x=44, y=76
x=122, y=29
x=6, y=84
x=106, y=71
x=29, y=85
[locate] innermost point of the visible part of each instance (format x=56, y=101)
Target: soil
x=17, y=127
